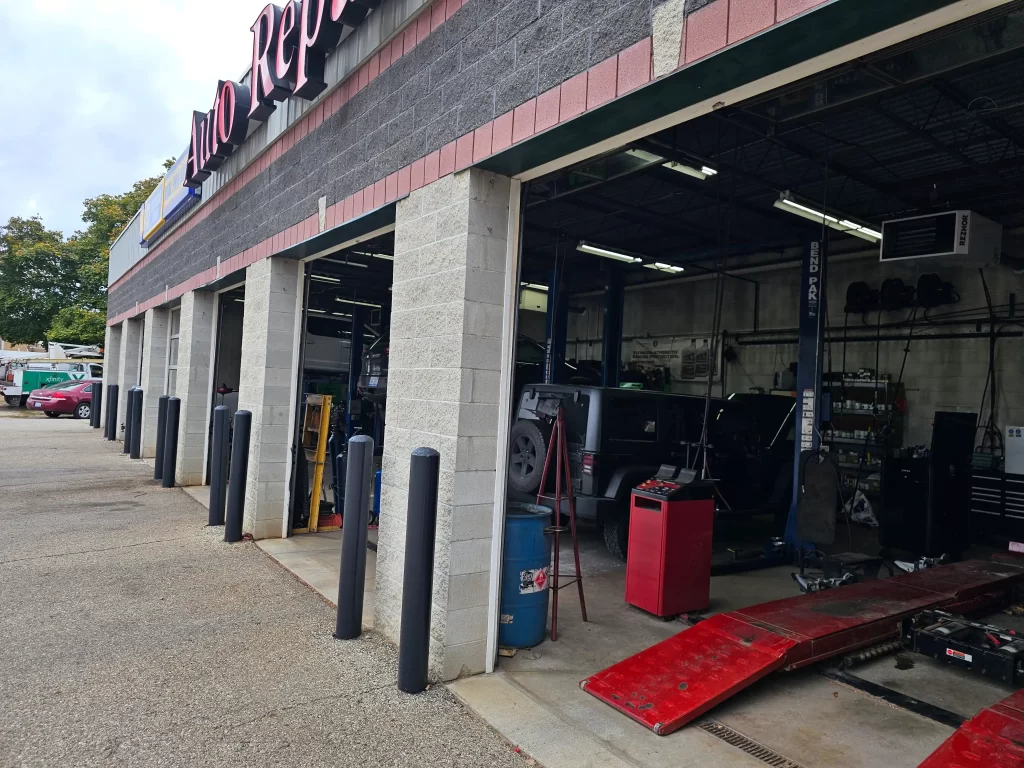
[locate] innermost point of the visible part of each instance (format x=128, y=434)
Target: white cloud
x=97, y=93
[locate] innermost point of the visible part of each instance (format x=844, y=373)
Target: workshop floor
x=536, y=702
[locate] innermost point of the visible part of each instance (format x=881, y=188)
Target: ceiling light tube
x=663, y=267
x=347, y=263
x=324, y=279
x=318, y=311
x=360, y=303
x=791, y=204
x=595, y=250
x=650, y=157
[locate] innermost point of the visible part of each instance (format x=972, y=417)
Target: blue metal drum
x=524, y=576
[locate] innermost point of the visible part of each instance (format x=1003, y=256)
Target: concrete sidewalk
x=131, y=635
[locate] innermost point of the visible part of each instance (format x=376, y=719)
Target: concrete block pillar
x=127, y=367
x=196, y=349
x=154, y=373
x=451, y=239
x=111, y=361
x=271, y=328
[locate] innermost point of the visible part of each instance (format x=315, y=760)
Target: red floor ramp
x=994, y=738
x=667, y=686
x=671, y=683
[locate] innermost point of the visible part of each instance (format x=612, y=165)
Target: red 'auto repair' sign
x=289, y=47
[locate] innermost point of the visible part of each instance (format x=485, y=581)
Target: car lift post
x=355, y=367
x=611, y=352
x=810, y=364
x=557, y=321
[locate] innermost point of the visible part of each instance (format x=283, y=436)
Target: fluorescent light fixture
x=360, y=303
x=385, y=256
x=662, y=267
x=535, y=286
x=340, y=314
x=318, y=311
x=790, y=203
x=324, y=279
x=347, y=263
x=649, y=157
x=240, y=301
x=595, y=250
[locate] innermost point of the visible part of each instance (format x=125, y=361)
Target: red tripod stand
x=558, y=449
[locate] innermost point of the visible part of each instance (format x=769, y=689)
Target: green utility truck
x=21, y=377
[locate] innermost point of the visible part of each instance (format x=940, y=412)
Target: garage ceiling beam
x=940, y=145
x=608, y=207
x=886, y=188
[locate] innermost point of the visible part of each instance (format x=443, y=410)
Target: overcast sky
x=95, y=94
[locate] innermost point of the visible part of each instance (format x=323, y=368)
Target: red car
x=74, y=397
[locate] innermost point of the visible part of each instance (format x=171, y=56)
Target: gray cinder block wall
x=942, y=374
x=270, y=344
x=127, y=367
x=111, y=363
x=196, y=345
x=154, y=373
x=451, y=239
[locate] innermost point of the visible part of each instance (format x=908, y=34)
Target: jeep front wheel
x=616, y=536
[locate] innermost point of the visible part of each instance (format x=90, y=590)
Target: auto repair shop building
x=391, y=197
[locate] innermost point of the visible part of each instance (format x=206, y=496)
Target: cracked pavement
x=132, y=635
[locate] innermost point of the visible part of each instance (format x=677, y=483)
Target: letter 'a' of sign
x=290, y=45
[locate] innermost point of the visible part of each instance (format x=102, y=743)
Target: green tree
x=52, y=289
x=37, y=279
x=77, y=325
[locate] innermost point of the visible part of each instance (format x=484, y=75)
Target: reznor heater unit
x=962, y=234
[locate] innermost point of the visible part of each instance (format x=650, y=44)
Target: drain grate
x=751, y=747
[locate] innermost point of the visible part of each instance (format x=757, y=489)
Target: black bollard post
x=112, y=395
x=418, y=580
x=239, y=470
x=170, y=457
x=129, y=413
x=218, y=465
x=136, y=433
x=358, y=479
x=161, y=435
x=96, y=405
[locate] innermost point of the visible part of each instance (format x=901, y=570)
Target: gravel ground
x=131, y=635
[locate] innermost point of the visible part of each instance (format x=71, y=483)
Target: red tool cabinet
x=668, y=564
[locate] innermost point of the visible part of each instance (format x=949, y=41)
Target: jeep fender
x=624, y=480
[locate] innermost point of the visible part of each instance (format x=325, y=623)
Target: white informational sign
x=807, y=421
x=686, y=357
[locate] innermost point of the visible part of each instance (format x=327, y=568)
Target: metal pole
x=170, y=457
x=161, y=436
x=112, y=395
x=128, y=413
x=136, y=433
x=353, y=538
x=418, y=581
x=219, y=465
x=239, y=470
x=96, y=406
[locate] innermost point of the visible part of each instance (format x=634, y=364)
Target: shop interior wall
x=940, y=374
x=229, y=354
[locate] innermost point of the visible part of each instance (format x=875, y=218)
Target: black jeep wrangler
x=618, y=437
